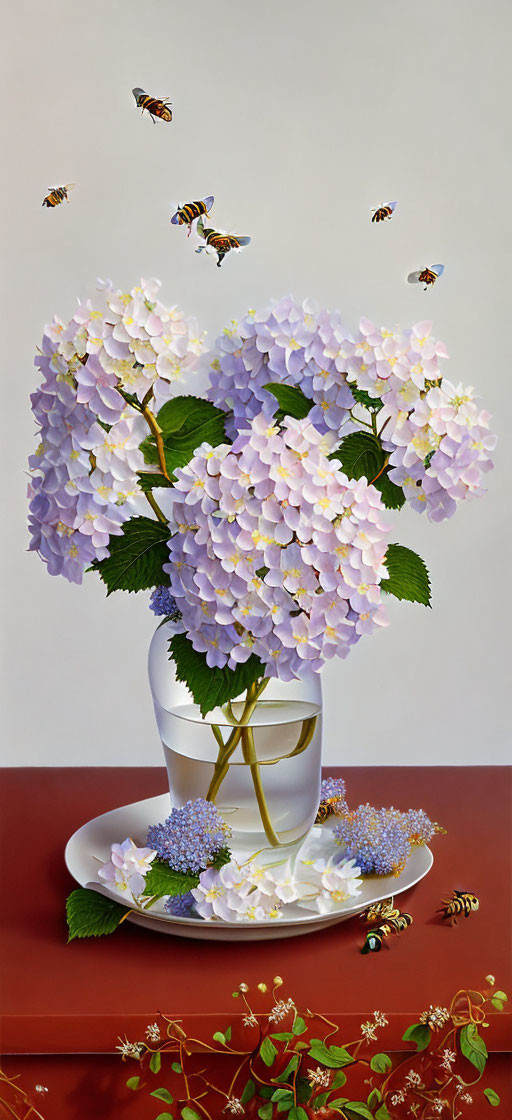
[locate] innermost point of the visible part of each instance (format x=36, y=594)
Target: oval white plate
x=90, y=846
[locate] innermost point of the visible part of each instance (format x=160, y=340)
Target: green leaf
x=473, y=1046
x=338, y=1080
x=428, y=458
x=492, y=1097
x=380, y=1063
x=185, y=422
x=392, y=495
x=321, y=1099
x=297, y=1113
x=188, y=1114
x=211, y=687
x=331, y=1056
x=364, y=398
x=358, y=1108
x=502, y=996
x=162, y=1095
x=418, y=1033
x=408, y=575
x=133, y=1083
x=155, y=1062
x=223, y=856
x=281, y=1094
x=283, y=1036
x=149, y=481
x=382, y=1114
x=219, y=1037
x=360, y=453
x=168, y=1116
x=266, y=1111
x=248, y=1092
x=497, y=1003
x=338, y=1104
x=268, y=1052
x=374, y=1098
x=136, y=557
x=162, y=880
x=299, y=1025
x=291, y=401
x=176, y=1067
x=90, y=914
x=292, y=1064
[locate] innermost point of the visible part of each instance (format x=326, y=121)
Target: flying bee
x=383, y=212
x=376, y=937
x=380, y=911
x=463, y=902
x=219, y=241
x=426, y=276
x=155, y=106
x=56, y=195
x=186, y=214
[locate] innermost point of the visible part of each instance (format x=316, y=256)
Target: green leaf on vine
x=292, y=401
x=211, y=687
x=382, y=1113
x=358, y=1108
x=297, y=1113
x=492, y=1097
x=408, y=575
x=188, y=1114
x=133, y=1083
x=162, y=879
x=155, y=1062
x=248, y=1091
x=186, y=423
x=418, y=1033
x=162, y=1095
x=299, y=1025
x=266, y=1111
x=380, y=1063
x=136, y=557
x=268, y=1052
x=331, y=1056
x=473, y=1046
x=90, y=914
x=360, y=453
x=292, y=1065
x=392, y=495
x=362, y=397
x=338, y=1080
x=149, y=481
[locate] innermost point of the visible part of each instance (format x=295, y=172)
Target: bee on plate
x=380, y=911
x=56, y=195
x=328, y=809
x=155, y=106
x=463, y=902
x=375, y=937
x=426, y=276
x=219, y=241
x=186, y=214
x=383, y=212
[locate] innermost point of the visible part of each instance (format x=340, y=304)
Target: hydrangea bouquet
x=257, y=514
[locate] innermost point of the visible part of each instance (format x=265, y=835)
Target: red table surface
x=76, y=998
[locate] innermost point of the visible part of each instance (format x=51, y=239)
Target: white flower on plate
x=277, y=881
x=127, y=867
x=331, y=883
x=222, y=893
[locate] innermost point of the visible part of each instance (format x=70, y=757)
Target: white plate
x=90, y=846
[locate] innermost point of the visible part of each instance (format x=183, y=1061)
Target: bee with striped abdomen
x=327, y=809
x=56, y=195
x=186, y=214
x=463, y=902
x=155, y=106
x=219, y=241
x=426, y=276
x=376, y=937
x=380, y=911
x=383, y=212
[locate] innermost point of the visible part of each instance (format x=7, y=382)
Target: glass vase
x=257, y=758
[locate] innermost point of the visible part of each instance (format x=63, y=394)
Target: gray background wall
x=286, y=111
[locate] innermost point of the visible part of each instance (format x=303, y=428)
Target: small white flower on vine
x=491, y=980
x=447, y=1060
x=250, y=1020
x=320, y=1077
x=413, y=1079
x=467, y=1098
x=438, y=1104
x=281, y=1010
x=398, y=1098
x=435, y=1017
x=235, y=1107
x=40, y=1088
x=153, y=1032
x=369, y=1032
x=380, y=1019
x=130, y=1049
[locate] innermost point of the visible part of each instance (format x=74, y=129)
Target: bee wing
x=70, y=186
x=437, y=268
x=176, y=207
x=137, y=92
x=414, y=277
x=244, y=240
x=208, y=201
x=200, y=227
x=392, y=205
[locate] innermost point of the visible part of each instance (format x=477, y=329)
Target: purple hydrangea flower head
x=163, y=603
x=191, y=837
x=275, y=551
x=181, y=905
x=380, y=840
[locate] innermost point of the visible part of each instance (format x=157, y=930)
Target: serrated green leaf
x=418, y=1033
x=162, y=880
x=155, y=1062
x=392, y=495
x=268, y=1052
x=380, y=1063
x=362, y=397
x=211, y=687
x=150, y=481
x=299, y=1025
x=291, y=401
x=90, y=914
x=133, y=1083
x=492, y=1097
x=162, y=1095
x=136, y=557
x=331, y=1056
x=473, y=1046
x=248, y=1091
x=408, y=575
x=360, y=454
x=186, y=423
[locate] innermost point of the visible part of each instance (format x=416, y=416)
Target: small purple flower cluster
x=275, y=551
x=181, y=905
x=380, y=840
x=163, y=603
x=191, y=837
x=297, y=343
x=334, y=789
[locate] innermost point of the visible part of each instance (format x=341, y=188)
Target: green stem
x=249, y=753
x=226, y=749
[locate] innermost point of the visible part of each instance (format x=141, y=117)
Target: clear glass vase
x=258, y=758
